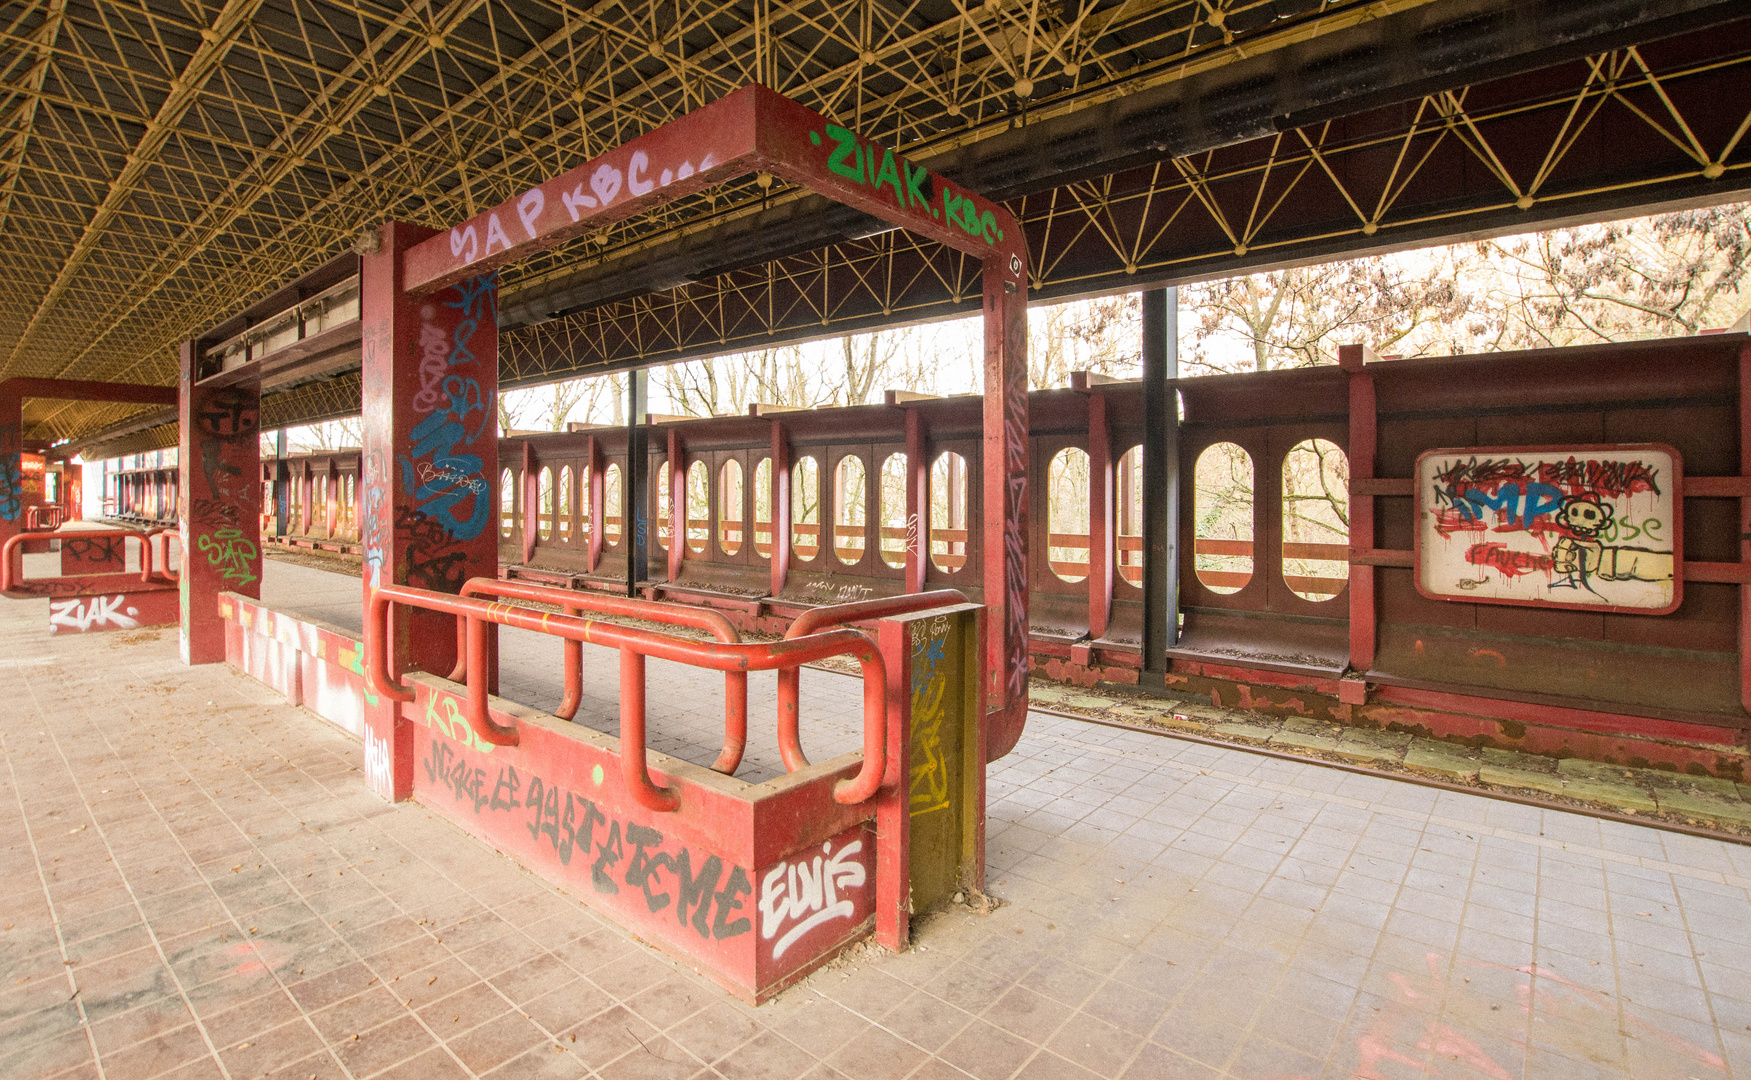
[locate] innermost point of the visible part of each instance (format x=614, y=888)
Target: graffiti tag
x=810, y=892
x=235, y=557
x=101, y=611
x=620, y=853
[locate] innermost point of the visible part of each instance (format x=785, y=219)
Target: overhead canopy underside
x=162, y=170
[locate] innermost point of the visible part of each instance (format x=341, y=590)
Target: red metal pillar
x=675, y=476
x=74, y=479
x=430, y=375
x=530, y=510
x=1363, y=436
x=306, y=500
x=1745, y=527
x=332, y=527
x=780, y=507
x=12, y=499
x=593, y=485
x=917, y=501
x=218, y=502
x=1100, y=517
x=1006, y=502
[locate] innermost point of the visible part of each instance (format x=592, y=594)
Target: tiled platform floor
x=194, y=882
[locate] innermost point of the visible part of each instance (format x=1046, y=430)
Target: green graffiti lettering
x=988, y=227
x=951, y=205
x=890, y=174
x=847, y=158
x=452, y=723
x=915, y=180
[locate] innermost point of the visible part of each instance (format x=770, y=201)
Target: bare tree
x=1103, y=335
x=1672, y=274
x=1299, y=317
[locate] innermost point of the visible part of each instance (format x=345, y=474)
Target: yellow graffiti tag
x=930, y=780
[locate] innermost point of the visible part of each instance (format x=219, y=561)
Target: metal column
x=1160, y=482
x=635, y=490
x=219, y=458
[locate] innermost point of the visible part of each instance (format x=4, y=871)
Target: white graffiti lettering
x=575, y=200
x=605, y=182
x=429, y=473
x=464, y=238
x=379, y=773
x=808, y=890
x=636, y=181
x=495, y=234
x=82, y=615
x=825, y=591
x=529, y=208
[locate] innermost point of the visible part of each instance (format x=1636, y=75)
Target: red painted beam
x=1364, y=433
x=751, y=129
x=1718, y=487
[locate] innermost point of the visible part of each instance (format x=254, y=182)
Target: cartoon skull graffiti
x=1580, y=556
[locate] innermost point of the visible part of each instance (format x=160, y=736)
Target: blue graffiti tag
x=448, y=481
x=1540, y=499
x=11, y=487
x=438, y=485
x=473, y=296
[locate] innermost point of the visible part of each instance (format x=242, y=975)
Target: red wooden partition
x=1331, y=627
x=322, y=492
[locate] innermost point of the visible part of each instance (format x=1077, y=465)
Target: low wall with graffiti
x=756, y=884
x=311, y=663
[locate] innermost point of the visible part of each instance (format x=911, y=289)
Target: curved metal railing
x=573, y=602
x=9, y=553
x=634, y=645
x=814, y=621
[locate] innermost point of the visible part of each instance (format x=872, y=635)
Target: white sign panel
x=1594, y=527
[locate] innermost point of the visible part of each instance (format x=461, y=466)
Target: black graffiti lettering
x=508, y=781
x=549, y=816
x=568, y=835
x=439, y=573
x=693, y=891
x=216, y=513
x=585, y=834
x=431, y=560
x=737, y=885
x=468, y=784
x=218, y=472
x=643, y=867
x=537, y=793
x=228, y=414
x=608, y=853
x=437, y=762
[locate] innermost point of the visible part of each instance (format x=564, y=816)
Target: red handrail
x=166, y=533
x=33, y=516
x=8, y=579
x=719, y=656
x=573, y=602
x=817, y=619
